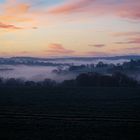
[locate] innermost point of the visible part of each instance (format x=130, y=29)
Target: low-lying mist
x=33, y=73
x=38, y=72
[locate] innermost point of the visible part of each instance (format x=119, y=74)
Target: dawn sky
x=44, y=28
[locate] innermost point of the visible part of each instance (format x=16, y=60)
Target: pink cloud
x=129, y=9
x=70, y=6
x=130, y=41
x=124, y=8
x=20, y=8
x=134, y=41
x=57, y=49
x=134, y=37
x=121, y=34
x=132, y=48
x=8, y=26
x=14, y=11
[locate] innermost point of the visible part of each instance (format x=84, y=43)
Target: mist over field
x=39, y=72
x=34, y=73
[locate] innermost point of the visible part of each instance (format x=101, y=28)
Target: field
x=69, y=113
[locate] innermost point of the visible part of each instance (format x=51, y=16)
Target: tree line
x=83, y=80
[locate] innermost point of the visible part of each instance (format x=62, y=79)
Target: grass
x=69, y=113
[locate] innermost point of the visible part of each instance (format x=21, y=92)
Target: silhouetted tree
x=14, y=82
x=49, y=83
x=1, y=81
x=83, y=80
x=30, y=84
x=68, y=83
x=98, y=80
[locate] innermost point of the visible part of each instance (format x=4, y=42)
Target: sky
x=61, y=28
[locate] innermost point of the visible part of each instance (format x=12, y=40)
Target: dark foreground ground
x=70, y=114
